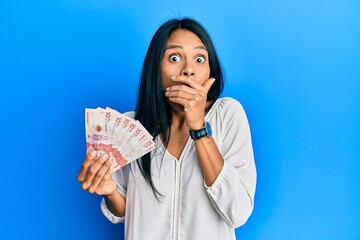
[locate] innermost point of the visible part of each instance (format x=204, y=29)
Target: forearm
x=116, y=204
x=210, y=159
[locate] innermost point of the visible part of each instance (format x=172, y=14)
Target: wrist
x=111, y=195
x=197, y=126
x=205, y=131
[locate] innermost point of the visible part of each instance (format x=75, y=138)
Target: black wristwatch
x=203, y=132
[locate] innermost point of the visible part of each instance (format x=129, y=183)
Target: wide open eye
x=174, y=58
x=200, y=59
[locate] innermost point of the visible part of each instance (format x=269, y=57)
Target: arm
x=232, y=193
x=210, y=159
x=230, y=171
x=113, y=206
x=116, y=204
x=96, y=178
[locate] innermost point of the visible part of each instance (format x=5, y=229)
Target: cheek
x=204, y=75
x=167, y=71
x=164, y=83
x=165, y=78
x=163, y=74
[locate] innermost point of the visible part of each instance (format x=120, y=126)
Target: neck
x=178, y=119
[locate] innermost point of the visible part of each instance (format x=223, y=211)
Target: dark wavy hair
x=152, y=109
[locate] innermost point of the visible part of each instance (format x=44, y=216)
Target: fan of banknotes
x=123, y=138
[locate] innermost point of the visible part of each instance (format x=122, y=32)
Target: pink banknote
x=123, y=138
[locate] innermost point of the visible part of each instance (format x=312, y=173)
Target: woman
x=199, y=182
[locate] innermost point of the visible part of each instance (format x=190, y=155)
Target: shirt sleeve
x=232, y=193
x=120, y=177
x=111, y=217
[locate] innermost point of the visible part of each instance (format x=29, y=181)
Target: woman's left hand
x=192, y=96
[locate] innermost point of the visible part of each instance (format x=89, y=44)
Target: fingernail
x=173, y=77
x=168, y=88
x=93, y=153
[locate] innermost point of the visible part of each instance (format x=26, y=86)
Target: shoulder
x=228, y=106
x=229, y=102
x=130, y=114
x=227, y=112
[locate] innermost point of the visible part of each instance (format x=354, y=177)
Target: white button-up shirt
x=188, y=209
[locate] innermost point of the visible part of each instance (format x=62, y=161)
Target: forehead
x=184, y=37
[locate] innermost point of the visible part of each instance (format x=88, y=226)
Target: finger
x=208, y=83
x=93, y=171
x=108, y=174
x=179, y=94
x=100, y=175
x=183, y=88
x=104, y=183
x=187, y=81
x=86, y=164
x=90, y=148
x=185, y=102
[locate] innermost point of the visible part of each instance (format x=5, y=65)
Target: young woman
x=199, y=182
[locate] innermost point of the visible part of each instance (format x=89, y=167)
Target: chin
x=175, y=106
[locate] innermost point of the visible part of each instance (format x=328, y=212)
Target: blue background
x=294, y=65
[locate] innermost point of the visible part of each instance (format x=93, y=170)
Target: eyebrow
x=178, y=46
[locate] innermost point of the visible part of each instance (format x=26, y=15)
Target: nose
x=188, y=69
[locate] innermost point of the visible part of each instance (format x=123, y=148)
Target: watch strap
x=200, y=133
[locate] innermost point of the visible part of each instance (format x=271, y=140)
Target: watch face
x=208, y=128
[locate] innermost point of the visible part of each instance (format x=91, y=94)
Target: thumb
x=208, y=83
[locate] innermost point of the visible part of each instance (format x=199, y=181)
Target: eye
x=200, y=59
x=174, y=58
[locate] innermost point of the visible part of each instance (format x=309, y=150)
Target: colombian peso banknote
x=123, y=138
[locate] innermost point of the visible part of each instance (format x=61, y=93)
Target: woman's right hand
x=95, y=176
